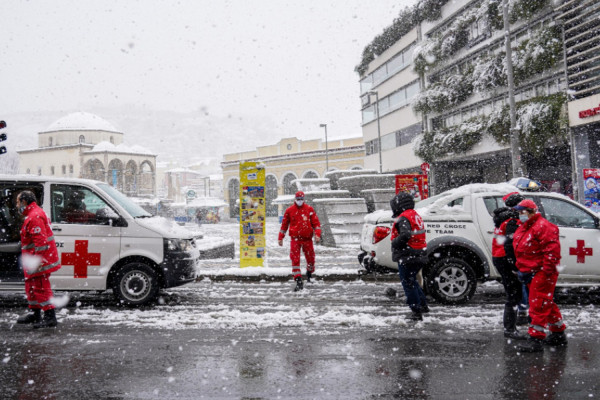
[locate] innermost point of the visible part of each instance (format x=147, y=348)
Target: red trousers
x=542, y=309
x=39, y=292
x=309, y=254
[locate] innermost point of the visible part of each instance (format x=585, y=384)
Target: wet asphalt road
x=338, y=340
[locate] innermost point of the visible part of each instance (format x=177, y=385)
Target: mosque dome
x=79, y=121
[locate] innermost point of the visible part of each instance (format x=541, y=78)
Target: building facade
x=580, y=20
x=291, y=159
x=83, y=145
x=459, y=53
x=391, y=79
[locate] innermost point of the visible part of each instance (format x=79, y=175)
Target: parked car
x=459, y=239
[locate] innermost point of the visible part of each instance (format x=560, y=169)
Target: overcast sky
x=288, y=61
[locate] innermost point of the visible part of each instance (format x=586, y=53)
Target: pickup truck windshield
x=133, y=209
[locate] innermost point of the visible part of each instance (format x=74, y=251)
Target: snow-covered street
x=260, y=340
x=257, y=339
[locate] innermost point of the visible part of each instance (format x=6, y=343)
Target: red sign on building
x=414, y=184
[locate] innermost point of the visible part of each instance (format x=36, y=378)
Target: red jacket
x=417, y=229
x=37, y=239
x=302, y=221
x=537, y=246
x=500, y=238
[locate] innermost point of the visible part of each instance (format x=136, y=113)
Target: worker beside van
x=39, y=258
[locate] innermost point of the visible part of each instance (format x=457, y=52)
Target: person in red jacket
x=537, y=251
x=506, y=221
x=303, y=223
x=409, y=250
x=39, y=258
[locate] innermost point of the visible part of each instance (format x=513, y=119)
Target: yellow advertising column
x=252, y=214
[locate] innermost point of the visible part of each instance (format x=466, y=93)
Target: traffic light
x=2, y=137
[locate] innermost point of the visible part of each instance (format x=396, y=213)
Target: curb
x=288, y=278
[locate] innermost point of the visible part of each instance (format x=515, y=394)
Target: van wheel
x=135, y=284
x=451, y=281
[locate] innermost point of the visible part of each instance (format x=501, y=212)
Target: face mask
x=523, y=217
x=299, y=203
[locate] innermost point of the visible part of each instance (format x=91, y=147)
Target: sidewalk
x=332, y=263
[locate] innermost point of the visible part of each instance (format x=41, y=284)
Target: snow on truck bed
x=437, y=206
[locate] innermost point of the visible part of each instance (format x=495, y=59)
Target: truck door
x=579, y=236
x=88, y=244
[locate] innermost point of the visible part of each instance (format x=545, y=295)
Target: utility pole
x=515, y=150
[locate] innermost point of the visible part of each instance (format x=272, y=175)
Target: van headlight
x=179, y=244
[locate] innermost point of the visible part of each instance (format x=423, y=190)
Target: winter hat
x=526, y=205
x=402, y=202
x=300, y=194
x=512, y=199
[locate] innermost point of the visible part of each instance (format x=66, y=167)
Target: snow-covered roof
x=81, y=121
x=121, y=148
x=206, y=202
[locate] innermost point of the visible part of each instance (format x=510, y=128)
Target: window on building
x=52, y=170
x=366, y=84
x=39, y=170
x=64, y=169
x=81, y=139
x=50, y=141
x=388, y=141
x=112, y=140
x=28, y=170
x=70, y=168
x=368, y=114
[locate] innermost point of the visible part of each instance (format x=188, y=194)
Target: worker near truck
x=506, y=222
x=409, y=251
x=537, y=250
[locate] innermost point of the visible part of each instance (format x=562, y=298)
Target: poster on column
x=252, y=214
x=591, y=189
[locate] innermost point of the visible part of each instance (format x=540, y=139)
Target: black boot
x=556, y=339
x=299, y=284
x=532, y=345
x=31, y=318
x=415, y=316
x=523, y=317
x=48, y=321
x=424, y=308
x=308, y=276
x=510, y=324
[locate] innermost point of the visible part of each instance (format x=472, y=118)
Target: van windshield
x=133, y=209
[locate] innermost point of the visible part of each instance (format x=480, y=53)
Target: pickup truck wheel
x=451, y=281
x=135, y=284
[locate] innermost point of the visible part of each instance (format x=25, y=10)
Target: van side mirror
x=107, y=216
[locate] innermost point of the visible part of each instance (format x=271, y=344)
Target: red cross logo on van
x=580, y=251
x=80, y=259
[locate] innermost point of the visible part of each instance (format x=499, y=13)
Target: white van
x=105, y=241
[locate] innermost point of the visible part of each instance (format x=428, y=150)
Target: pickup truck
x=459, y=239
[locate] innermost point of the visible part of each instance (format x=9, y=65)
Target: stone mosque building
x=83, y=145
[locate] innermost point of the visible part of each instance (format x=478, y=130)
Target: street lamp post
x=374, y=92
x=514, y=132
x=326, y=148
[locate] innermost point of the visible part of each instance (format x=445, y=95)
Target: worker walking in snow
x=537, y=250
x=303, y=223
x=409, y=251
